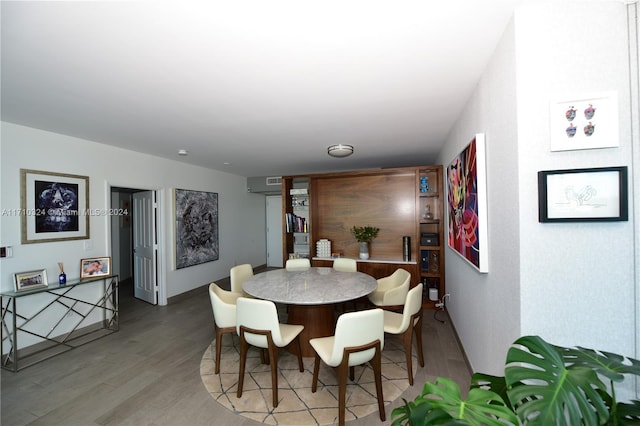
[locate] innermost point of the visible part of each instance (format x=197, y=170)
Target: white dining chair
x=298, y=264
x=391, y=290
x=258, y=325
x=238, y=275
x=359, y=338
x=344, y=264
x=223, y=304
x=406, y=324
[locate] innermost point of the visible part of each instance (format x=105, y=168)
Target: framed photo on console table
x=583, y=195
x=95, y=267
x=30, y=280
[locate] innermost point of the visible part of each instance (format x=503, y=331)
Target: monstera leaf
x=495, y=384
x=626, y=414
x=613, y=367
x=607, y=364
x=543, y=385
x=421, y=412
x=445, y=406
x=545, y=391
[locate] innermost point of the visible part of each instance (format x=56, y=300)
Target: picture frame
x=467, y=205
x=583, y=195
x=95, y=267
x=24, y=281
x=54, y=206
x=196, y=227
x=586, y=121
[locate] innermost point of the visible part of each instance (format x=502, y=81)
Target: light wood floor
x=148, y=373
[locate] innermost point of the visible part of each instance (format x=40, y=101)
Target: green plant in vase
x=364, y=235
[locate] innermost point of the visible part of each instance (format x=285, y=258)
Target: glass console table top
x=55, y=286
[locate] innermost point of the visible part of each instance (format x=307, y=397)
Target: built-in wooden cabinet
x=391, y=199
x=430, y=219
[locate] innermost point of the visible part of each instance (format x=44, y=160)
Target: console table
x=62, y=306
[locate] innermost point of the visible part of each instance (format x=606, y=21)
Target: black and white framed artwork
x=196, y=214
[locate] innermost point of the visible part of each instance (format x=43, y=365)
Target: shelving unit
x=296, y=218
x=431, y=230
x=390, y=199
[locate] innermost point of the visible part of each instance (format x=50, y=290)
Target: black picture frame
x=583, y=195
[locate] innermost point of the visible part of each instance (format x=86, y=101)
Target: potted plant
x=364, y=235
x=543, y=385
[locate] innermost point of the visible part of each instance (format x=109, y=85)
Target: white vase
x=364, y=250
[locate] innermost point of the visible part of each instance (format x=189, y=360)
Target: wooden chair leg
x=218, y=348
x=407, y=338
x=316, y=369
x=418, y=330
x=376, y=363
x=273, y=358
x=343, y=369
x=342, y=389
x=264, y=356
x=244, y=346
x=300, y=365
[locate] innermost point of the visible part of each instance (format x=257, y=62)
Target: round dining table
x=311, y=296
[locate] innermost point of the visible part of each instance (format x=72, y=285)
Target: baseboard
x=464, y=354
x=222, y=282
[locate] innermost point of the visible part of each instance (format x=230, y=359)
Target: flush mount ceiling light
x=340, y=150
x=183, y=152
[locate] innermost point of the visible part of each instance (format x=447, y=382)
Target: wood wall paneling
x=386, y=201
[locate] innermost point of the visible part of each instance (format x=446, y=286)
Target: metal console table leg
x=54, y=341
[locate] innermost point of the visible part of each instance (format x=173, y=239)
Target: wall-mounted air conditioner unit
x=265, y=185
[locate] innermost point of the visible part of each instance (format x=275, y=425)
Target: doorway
x=274, y=230
x=135, y=245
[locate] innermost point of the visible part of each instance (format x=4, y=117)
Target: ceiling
x=250, y=87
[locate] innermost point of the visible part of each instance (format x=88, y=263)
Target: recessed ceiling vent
x=276, y=180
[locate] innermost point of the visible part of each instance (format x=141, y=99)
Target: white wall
x=486, y=307
x=578, y=288
x=241, y=214
x=572, y=284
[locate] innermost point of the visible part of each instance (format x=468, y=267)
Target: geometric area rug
x=297, y=405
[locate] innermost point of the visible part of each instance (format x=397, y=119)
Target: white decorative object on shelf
x=323, y=248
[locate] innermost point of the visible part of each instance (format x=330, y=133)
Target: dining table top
x=314, y=286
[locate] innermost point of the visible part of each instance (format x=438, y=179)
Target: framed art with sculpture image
x=54, y=206
x=467, y=204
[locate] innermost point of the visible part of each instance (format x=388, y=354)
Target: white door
x=144, y=247
x=274, y=231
